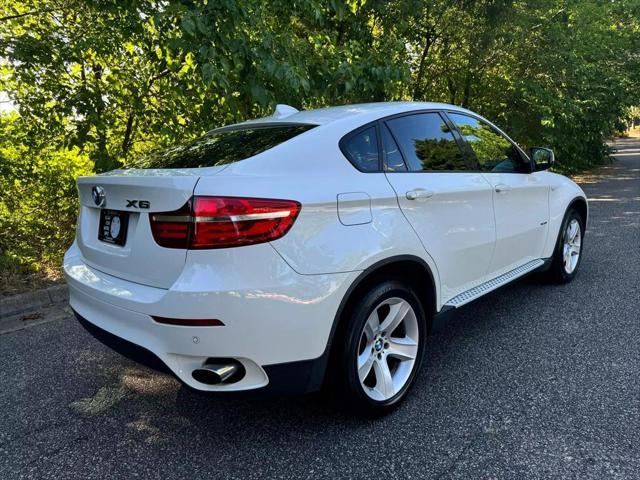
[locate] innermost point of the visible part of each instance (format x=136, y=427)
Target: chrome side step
x=490, y=285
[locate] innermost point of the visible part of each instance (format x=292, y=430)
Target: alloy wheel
x=572, y=244
x=388, y=348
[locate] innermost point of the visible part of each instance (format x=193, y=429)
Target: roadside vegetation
x=90, y=85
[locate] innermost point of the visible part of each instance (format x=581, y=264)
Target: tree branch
x=27, y=14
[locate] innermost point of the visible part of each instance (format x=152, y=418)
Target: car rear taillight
x=172, y=229
x=221, y=222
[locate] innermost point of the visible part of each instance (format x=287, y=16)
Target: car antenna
x=283, y=111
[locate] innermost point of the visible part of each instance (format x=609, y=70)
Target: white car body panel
x=279, y=300
x=141, y=260
x=271, y=314
x=562, y=192
x=519, y=238
x=455, y=224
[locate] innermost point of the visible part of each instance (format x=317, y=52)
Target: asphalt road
x=532, y=381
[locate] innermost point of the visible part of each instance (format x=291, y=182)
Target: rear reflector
x=185, y=322
x=221, y=222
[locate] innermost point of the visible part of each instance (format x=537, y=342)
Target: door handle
x=417, y=193
x=502, y=188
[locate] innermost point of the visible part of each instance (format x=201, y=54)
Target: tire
x=565, y=267
x=368, y=347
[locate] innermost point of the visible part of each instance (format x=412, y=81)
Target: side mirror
x=543, y=158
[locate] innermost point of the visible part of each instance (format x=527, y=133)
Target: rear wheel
x=568, y=253
x=383, y=348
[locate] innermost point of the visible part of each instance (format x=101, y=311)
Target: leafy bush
x=38, y=204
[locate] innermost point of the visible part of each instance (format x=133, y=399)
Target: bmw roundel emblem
x=99, y=196
x=114, y=228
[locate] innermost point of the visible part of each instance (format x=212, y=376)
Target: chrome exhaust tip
x=214, y=373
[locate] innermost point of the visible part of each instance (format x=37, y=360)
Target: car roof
x=324, y=116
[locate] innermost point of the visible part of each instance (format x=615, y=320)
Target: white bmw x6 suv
x=279, y=252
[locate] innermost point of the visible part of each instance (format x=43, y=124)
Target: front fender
x=563, y=193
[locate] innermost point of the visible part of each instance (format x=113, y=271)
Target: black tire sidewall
x=379, y=292
x=559, y=272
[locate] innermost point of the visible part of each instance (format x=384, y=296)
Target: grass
x=16, y=278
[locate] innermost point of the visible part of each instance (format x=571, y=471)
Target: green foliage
x=110, y=80
x=552, y=73
x=38, y=199
x=120, y=77
x=117, y=78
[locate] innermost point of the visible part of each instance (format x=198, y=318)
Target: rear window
x=222, y=147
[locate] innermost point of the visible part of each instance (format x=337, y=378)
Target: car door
x=448, y=204
x=520, y=196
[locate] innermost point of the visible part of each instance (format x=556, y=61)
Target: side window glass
x=427, y=143
x=393, y=160
x=362, y=150
x=494, y=152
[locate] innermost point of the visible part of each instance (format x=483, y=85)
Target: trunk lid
x=140, y=259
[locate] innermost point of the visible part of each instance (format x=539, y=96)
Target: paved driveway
x=533, y=381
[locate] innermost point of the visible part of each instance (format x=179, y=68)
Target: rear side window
x=427, y=143
x=223, y=147
x=361, y=149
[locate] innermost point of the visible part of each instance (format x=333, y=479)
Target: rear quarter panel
x=312, y=170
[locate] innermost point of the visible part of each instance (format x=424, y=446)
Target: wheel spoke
x=395, y=316
x=567, y=255
x=573, y=231
x=571, y=249
x=365, y=362
x=384, y=381
x=371, y=326
x=402, y=348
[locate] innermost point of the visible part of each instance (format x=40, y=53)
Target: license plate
x=113, y=227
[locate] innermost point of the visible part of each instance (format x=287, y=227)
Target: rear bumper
x=293, y=378
x=277, y=324
x=124, y=347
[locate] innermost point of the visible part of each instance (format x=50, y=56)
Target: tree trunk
x=128, y=134
x=103, y=162
x=466, y=98
x=452, y=91
x=418, y=91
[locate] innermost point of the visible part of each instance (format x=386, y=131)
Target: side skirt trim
x=490, y=285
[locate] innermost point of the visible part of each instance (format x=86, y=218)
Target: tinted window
x=427, y=143
x=495, y=153
x=362, y=150
x=393, y=160
x=221, y=148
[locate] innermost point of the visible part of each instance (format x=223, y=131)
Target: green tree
x=118, y=78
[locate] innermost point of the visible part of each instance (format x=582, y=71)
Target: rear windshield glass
x=222, y=148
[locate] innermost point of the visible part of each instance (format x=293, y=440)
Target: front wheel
x=383, y=349
x=568, y=253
